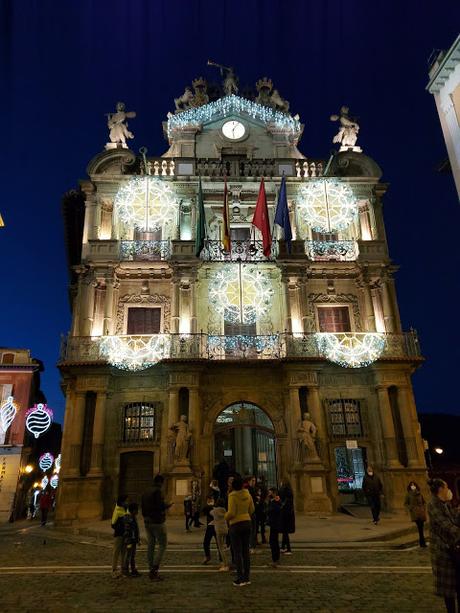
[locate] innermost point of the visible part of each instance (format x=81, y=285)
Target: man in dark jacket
x=154, y=512
x=275, y=523
x=373, y=489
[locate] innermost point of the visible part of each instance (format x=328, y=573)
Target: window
x=236, y=329
x=144, y=320
x=139, y=422
x=345, y=418
x=8, y=358
x=326, y=238
x=334, y=319
x=240, y=233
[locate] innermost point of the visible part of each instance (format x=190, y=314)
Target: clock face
x=233, y=130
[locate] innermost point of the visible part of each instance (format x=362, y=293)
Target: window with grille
x=334, y=319
x=345, y=418
x=324, y=238
x=144, y=320
x=139, y=422
x=8, y=358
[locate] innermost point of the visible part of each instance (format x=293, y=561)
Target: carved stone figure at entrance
x=118, y=129
x=306, y=436
x=180, y=439
x=348, y=131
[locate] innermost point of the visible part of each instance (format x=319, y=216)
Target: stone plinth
x=311, y=480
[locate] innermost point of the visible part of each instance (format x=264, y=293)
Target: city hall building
x=194, y=341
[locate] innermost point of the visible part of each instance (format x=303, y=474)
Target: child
x=214, y=490
x=210, y=532
x=118, y=529
x=188, y=512
x=130, y=541
x=274, y=521
x=221, y=530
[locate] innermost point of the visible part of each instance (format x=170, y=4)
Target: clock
x=234, y=130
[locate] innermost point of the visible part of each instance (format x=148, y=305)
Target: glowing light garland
x=54, y=481
x=57, y=463
x=135, y=352
x=351, y=350
x=146, y=203
x=326, y=205
x=38, y=419
x=46, y=461
x=228, y=105
x=240, y=293
x=44, y=483
x=8, y=412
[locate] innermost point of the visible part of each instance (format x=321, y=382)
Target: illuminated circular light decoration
x=54, y=481
x=8, y=412
x=146, y=203
x=135, y=352
x=240, y=293
x=44, y=483
x=38, y=419
x=57, y=463
x=46, y=461
x=351, y=350
x=327, y=205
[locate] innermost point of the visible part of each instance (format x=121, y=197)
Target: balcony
x=351, y=350
x=241, y=251
x=147, y=250
x=323, y=251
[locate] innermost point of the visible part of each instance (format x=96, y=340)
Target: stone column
x=173, y=409
x=294, y=419
x=316, y=412
x=192, y=306
x=369, y=308
x=410, y=426
x=98, y=436
x=107, y=326
x=88, y=306
x=195, y=423
x=90, y=230
x=287, y=304
x=76, y=434
x=388, y=429
x=387, y=308
x=394, y=303
x=175, y=304
x=365, y=227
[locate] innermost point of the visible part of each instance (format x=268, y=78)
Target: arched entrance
x=244, y=437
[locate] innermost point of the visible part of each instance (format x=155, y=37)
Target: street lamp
x=439, y=450
x=28, y=469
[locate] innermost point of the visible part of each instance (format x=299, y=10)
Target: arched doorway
x=244, y=437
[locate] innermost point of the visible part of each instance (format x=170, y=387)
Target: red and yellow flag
x=226, y=225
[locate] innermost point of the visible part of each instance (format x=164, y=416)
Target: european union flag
x=282, y=214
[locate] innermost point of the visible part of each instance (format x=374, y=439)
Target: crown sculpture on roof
x=118, y=127
x=348, y=131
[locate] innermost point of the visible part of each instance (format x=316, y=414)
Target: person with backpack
x=118, y=530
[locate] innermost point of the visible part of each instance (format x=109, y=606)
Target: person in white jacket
x=221, y=528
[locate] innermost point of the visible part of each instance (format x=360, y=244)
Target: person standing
x=444, y=544
x=287, y=516
x=130, y=541
x=46, y=502
x=221, y=528
x=240, y=510
x=118, y=530
x=416, y=506
x=373, y=490
x=188, y=512
x=210, y=532
x=251, y=487
x=214, y=490
x=154, y=512
x=261, y=513
x=274, y=510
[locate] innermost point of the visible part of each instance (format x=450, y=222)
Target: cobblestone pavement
x=51, y=572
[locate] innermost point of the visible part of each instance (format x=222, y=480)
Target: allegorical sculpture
x=184, y=102
x=268, y=96
x=200, y=96
x=348, y=131
x=306, y=436
x=118, y=126
x=230, y=83
x=180, y=440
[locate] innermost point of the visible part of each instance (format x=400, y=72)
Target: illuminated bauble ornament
x=54, y=481
x=57, y=463
x=146, y=203
x=135, y=352
x=46, y=461
x=351, y=350
x=240, y=293
x=44, y=483
x=326, y=206
x=38, y=419
x=8, y=412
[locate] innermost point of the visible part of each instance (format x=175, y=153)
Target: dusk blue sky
x=65, y=64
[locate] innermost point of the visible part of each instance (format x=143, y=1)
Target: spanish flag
x=226, y=225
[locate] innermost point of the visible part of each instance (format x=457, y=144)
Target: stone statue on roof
x=118, y=126
x=348, y=131
x=230, y=84
x=184, y=102
x=267, y=96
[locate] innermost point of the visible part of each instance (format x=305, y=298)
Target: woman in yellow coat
x=238, y=516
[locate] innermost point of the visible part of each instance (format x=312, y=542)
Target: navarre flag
x=200, y=233
x=261, y=220
x=226, y=225
x=282, y=214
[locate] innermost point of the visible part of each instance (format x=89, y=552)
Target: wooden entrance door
x=136, y=474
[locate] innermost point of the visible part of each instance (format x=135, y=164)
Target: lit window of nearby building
x=8, y=358
x=139, y=422
x=334, y=319
x=144, y=320
x=345, y=418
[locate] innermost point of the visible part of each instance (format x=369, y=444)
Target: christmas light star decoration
x=38, y=419
x=54, y=481
x=135, y=352
x=45, y=461
x=241, y=293
x=146, y=203
x=351, y=350
x=326, y=205
x=44, y=483
x=229, y=105
x=8, y=412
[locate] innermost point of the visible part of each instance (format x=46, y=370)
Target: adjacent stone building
x=287, y=365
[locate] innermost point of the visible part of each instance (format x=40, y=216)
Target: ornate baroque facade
x=240, y=343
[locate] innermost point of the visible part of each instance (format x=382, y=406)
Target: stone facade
x=128, y=379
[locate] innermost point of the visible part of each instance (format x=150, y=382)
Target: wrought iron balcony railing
x=346, y=250
x=241, y=251
x=145, y=250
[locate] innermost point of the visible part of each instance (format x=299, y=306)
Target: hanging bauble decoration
x=8, y=412
x=46, y=461
x=44, y=483
x=57, y=463
x=54, y=481
x=38, y=419
x=326, y=206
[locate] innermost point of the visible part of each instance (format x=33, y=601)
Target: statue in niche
x=306, y=436
x=184, y=102
x=118, y=126
x=180, y=439
x=348, y=131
